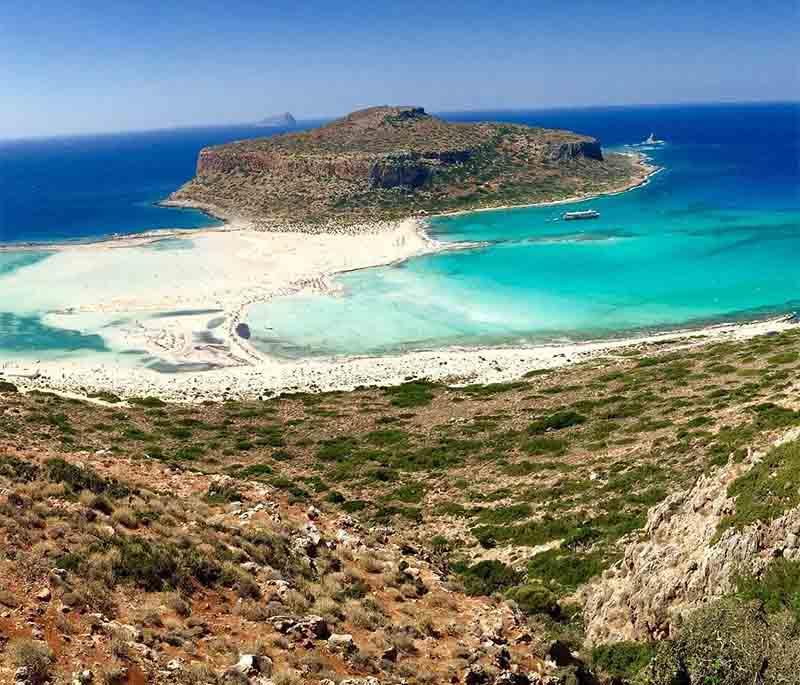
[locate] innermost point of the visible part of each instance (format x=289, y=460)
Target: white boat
x=584, y=214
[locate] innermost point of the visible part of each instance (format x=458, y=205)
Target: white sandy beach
x=177, y=297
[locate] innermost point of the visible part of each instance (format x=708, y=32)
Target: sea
x=715, y=236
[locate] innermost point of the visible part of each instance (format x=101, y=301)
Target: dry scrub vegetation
x=417, y=534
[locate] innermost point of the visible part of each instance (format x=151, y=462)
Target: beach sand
x=173, y=300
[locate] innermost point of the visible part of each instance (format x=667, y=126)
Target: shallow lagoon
x=715, y=236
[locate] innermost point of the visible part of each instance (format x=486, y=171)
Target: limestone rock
x=342, y=642
x=679, y=564
x=254, y=664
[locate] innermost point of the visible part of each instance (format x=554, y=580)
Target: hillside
x=389, y=162
x=628, y=519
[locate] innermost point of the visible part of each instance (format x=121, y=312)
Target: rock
x=83, y=678
x=341, y=642
x=44, y=594
x=476, y=675
x=174, y=665
x=317, y=626
x=560, y=654
x=510, y=678
x=254, y=664
x=23, y=676
x=503, y=659
x=390, y=654
x=679, y=564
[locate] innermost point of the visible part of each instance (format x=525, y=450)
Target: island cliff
x=387, y=162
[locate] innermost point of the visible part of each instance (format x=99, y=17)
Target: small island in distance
x=388, y=163
x=282, y=120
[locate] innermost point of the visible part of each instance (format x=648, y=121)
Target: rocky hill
x=631, y=519
x=386, y=162
x=284, y=119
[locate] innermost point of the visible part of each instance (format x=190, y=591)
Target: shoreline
x=271, y=377
x=234, y=265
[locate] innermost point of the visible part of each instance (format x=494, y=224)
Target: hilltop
x=391, y=162
x=630, y=519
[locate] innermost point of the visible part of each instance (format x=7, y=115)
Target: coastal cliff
x=387, y=162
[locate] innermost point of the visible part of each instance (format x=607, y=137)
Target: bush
x=768, y=489
x=35, y=656
x=487, y=577
x=565, y=570
x=732, y=643
x=149, y=402
x=622, y=659
x=557, y=421
x=778, y=588
x=534, y=598
x=413, y=394
x=77, y=479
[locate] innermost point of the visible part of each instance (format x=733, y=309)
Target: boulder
x=253, y=665
x=342, y=643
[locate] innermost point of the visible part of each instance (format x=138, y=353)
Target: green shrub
x=77, y=479
x=488, y=577
x=566, y=571
x=768, y=489
x=534, y=598
x=17, y=469
x=557, y=421
x=255, y=471
x=729, y=642
x=412, y=394
x=411, y=493
x=149, y=402
x=622, y=659
x=501, y=515
x=777, y=589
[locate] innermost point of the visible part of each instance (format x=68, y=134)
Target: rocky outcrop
x=679, y=565
x=588, y=149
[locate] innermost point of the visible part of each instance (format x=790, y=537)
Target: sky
x=80, y=66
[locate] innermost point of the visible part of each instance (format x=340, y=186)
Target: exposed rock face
x=589, y=149
x=676, y=568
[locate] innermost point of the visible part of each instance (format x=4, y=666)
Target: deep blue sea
x=714, y=236
x=94, y=186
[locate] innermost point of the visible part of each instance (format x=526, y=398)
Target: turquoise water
x=27, y=333
x=715, y=236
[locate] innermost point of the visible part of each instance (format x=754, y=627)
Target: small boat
x=585, y=214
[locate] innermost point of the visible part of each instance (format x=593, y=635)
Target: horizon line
x=442, y=113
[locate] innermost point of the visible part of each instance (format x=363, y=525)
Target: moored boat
x=584, y=214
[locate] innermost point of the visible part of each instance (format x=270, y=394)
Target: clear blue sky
x=110, y=65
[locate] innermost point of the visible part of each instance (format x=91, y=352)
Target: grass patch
x=768, y=490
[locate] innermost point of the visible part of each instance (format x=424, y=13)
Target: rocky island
x=282, y=120
x=385, y=163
